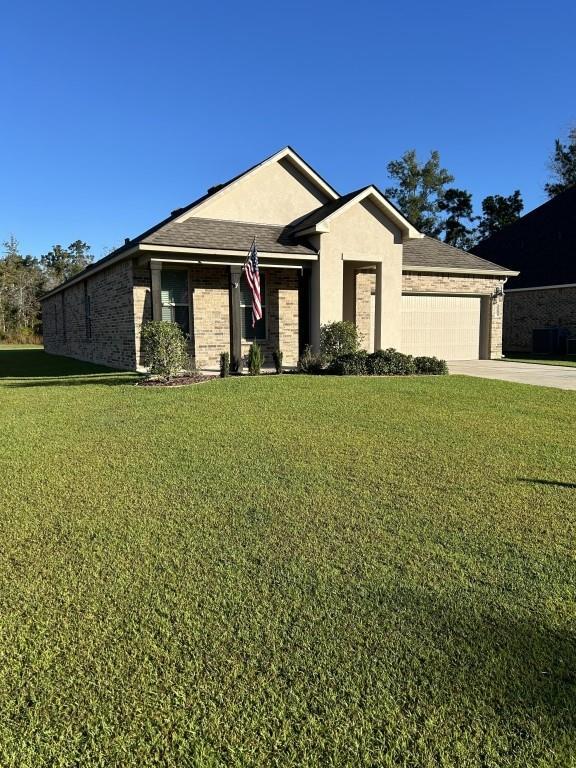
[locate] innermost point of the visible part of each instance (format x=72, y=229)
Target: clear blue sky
x=114, y=113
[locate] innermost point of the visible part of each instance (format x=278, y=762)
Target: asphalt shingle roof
x=541, y=244
x=428, y=252
x=219, y=234
x=323, y=211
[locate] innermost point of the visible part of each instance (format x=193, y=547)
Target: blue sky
x=114, y=113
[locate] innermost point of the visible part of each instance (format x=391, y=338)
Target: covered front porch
x=208, y=297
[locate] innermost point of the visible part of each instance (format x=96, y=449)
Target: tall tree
x=457, y=205
x=61, y=264
x=20, y=285
x=419, y=189
x=563, y=166
x=499, y=211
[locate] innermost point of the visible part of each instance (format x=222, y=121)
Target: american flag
x=253, y=277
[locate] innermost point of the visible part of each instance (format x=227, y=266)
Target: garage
x=444, y=326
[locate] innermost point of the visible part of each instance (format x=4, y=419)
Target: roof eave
x=461, y=270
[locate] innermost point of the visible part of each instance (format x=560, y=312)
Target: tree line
x=421, y=191
x=24, y=278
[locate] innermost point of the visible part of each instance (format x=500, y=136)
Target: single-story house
x=323, y=257
x=540, y=303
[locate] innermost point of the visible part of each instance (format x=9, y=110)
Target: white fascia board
x=302, y=166
x=541, y=287
x=144, y=247
x=462, y=271
x=388, y=209
x=263, y=265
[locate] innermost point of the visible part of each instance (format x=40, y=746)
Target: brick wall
x=211, y=314
x=365, y=286
x=526, y=310
x=424, y=282
x=142, y=297
x=112, y=339
x=282, y=316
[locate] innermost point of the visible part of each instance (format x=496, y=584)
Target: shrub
x=352, y=364
x=255, y=359
x=277, y=356
x=390, y=362
x=430, y=366
x=337, y=339
x=309, y=361
x=224, y=364
x=164, y=348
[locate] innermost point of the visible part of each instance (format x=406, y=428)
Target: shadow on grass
x=35, y=368
x=557, y=483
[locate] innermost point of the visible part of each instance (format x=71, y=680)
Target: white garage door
x=445, y=326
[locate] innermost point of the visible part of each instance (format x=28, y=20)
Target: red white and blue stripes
x=253, y=278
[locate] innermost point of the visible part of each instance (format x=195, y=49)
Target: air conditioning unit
x=549, y=341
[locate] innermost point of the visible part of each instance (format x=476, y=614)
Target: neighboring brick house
x=540, y=304
x=323, y=257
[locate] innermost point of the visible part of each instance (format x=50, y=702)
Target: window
x=257, y=333
x=175, y=303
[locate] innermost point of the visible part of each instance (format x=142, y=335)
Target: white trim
x=542, y=287
x=394, y=215
x=461, y=271
x=263, y=265
x=227, y=252
x=302, y=166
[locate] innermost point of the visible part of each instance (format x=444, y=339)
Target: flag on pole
x=253, y=278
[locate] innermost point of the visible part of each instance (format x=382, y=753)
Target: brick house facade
x=323, y=257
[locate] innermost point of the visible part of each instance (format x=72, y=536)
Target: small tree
x=336, y=339
x=255, y=359
x=224, y=365
x=164, y=348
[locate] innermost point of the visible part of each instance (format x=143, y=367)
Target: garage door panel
x=441, y=325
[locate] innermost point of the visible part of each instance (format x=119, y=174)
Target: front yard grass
x=569, y=360
x=284, y=571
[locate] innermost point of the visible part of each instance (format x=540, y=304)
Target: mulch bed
x=177, y=381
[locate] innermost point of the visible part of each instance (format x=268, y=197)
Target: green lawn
x=569, y=360
x=284, y=571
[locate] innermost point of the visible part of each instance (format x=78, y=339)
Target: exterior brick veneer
x=112, y=319
x=425, y=282
x=526, y=310
x=282, y=316
x=121, y=301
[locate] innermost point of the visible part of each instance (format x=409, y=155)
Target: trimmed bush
x=430, y=366
x=390, y=362
x=309, y=361
x=164, y=348
x=277, y=357
x=352, y=364
x=338, y=339
x=224, y=365
x=255, y=359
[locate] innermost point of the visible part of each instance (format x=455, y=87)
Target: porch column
x=235, y=320
x=388, y=304
x=156, y=287
x=379, y=330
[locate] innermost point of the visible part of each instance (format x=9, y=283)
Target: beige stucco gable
x=275, y=192
x=362, y=235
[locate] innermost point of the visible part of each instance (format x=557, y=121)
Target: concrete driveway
x=557, y=376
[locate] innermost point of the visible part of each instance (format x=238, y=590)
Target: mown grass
x=569, y=360
x=284, y=571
